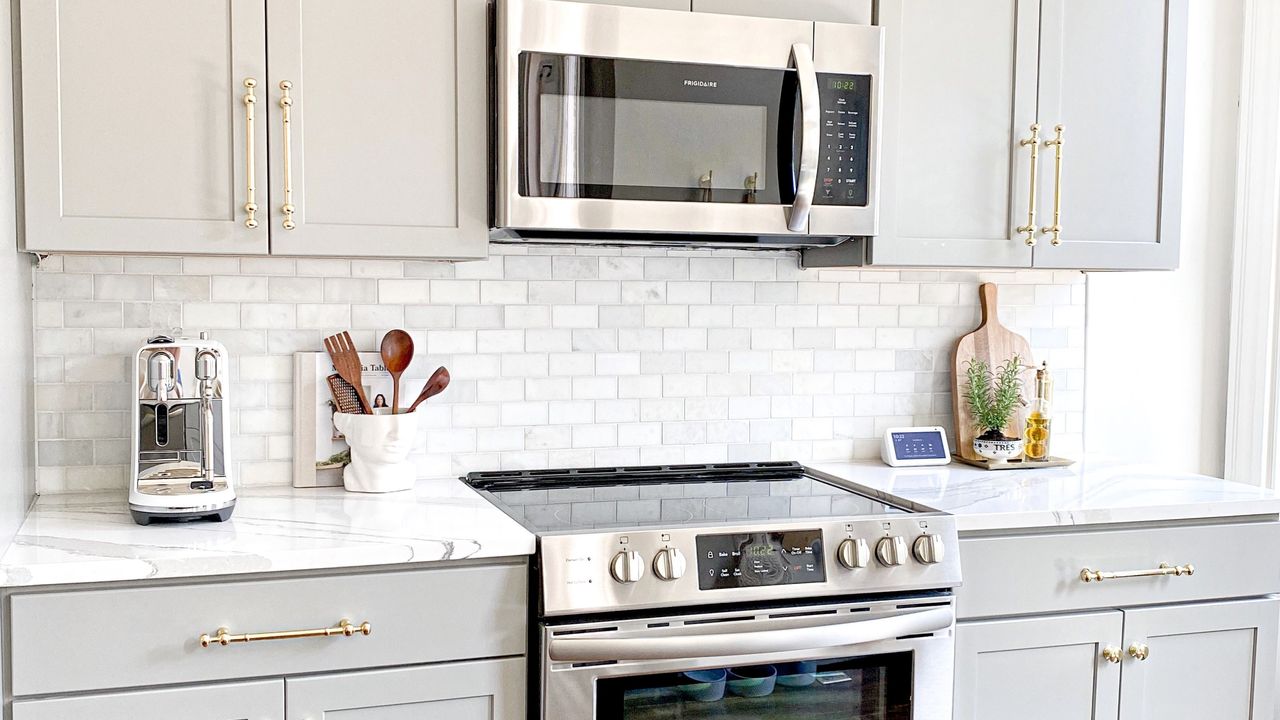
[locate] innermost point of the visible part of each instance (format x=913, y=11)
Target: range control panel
x=844, y=165
x=761, y=558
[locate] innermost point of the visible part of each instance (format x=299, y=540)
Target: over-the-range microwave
x=634, y=125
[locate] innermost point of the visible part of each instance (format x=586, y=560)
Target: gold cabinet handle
x=1111, y=654
x=1139, y=651
x=344, y=628
x=1034, y=143
x=1056, y=228
x=1088, y=575
x=286, y=102
x=250, y=204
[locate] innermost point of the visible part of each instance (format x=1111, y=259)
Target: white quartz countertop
x=91, y=538
x=1087, y=493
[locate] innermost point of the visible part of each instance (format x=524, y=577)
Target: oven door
x=630, y=120
x=882, y=661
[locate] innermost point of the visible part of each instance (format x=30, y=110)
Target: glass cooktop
x=549, y=501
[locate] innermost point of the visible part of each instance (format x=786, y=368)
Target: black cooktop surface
x=673, y=496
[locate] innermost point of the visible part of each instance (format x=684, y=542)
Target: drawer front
x=72, y=641
x=261, y=700
x=1041, y=573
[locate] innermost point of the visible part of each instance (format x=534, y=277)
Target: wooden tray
x=985, y=464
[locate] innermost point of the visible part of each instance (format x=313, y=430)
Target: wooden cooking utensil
x=347, y=362
x=435, y=384
x=995, y=344
x=344, y=396
x=397, y=352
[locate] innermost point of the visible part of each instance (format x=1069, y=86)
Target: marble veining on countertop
x=78, y=538
x=1087, y=493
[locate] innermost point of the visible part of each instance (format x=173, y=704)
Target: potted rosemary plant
x=992, y=395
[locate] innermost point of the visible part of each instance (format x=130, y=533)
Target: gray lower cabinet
x=1048, y=668
x=259, y=700
x=483, y=690
x=134, y=131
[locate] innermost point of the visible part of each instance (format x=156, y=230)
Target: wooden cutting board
x=995, y=344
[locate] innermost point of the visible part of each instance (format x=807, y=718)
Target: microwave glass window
x=625, y=129
x=876, y=687
x=612, y=141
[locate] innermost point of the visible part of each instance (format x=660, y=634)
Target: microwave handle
x=810, y=134
x=816, y=638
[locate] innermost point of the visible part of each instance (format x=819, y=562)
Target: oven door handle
x=816, y=638
x=810, y=134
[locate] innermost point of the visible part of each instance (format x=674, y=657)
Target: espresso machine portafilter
x=181, y=442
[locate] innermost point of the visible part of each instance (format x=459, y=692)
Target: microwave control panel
x=845, y=163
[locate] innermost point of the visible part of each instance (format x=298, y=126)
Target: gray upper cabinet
x=954, y=179
x=261, y=700
x=134, y=125
x=1201, y=661
x=384, y=152
x=656, y=4
x=1113, y=75
x=839, y=11
x=1048, y=668
x=485, y=690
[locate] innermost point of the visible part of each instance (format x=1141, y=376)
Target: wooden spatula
x=435, y=385
x=347, y=362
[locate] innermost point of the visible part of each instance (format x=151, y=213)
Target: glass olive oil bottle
x=1037, y=435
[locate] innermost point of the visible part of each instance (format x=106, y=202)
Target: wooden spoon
x=397, y=353
x=436, y=384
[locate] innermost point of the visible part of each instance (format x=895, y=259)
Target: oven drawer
x=95, y=639
x=1042, y=573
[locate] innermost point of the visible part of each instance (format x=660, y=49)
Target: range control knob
x=928, y=549
x=891, y=551
x=669, y=564
x=627, y=567
x=854, y=553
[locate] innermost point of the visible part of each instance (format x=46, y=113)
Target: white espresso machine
x=181, y=444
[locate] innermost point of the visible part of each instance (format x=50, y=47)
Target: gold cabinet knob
x=1138, y=651
x=1111, y=654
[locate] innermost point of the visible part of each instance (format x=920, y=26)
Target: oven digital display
x=739, y=560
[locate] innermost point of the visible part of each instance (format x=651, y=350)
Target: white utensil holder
x=380, y=446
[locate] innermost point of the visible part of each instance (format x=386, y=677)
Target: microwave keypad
x=844, y=165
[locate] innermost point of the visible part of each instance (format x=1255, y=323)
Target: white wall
x=1156, y=343
x=17, y=474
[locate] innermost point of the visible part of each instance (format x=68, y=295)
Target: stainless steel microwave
x=634, y=125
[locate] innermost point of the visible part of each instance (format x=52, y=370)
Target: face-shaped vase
x=380, y=446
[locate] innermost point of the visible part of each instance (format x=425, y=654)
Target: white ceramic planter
x=999, y=449
x=380, y=446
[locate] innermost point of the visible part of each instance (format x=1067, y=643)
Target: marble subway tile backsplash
x=560, y=356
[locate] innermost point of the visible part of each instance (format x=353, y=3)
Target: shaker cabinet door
x=485, y=690
x=382, y=148
x=1113, y=75
x=959, y=94
x=134, y=127
x=1048, y=668
x=261, y=700
x=1215, y=660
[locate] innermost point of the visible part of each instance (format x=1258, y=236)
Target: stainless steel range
x=734, y=590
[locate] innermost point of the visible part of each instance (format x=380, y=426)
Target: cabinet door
x=959, y=94
x=261, y=700
x=386, y=151
x=1048, y=668
x=657, y=4
x=1216, y=660
x=837, y=11
x=484, y=690
x=1113, y=74
x=134, y=125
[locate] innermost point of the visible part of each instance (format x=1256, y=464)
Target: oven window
x=876, y=687
x=642, y=130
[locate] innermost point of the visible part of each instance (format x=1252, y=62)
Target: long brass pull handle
x=1139, y=651
x=1088, y=575
x=250, y=204
x=1056, y=228
x=286, y=102
x=1034, y=143
x=1111, y=654
x=344, y=628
